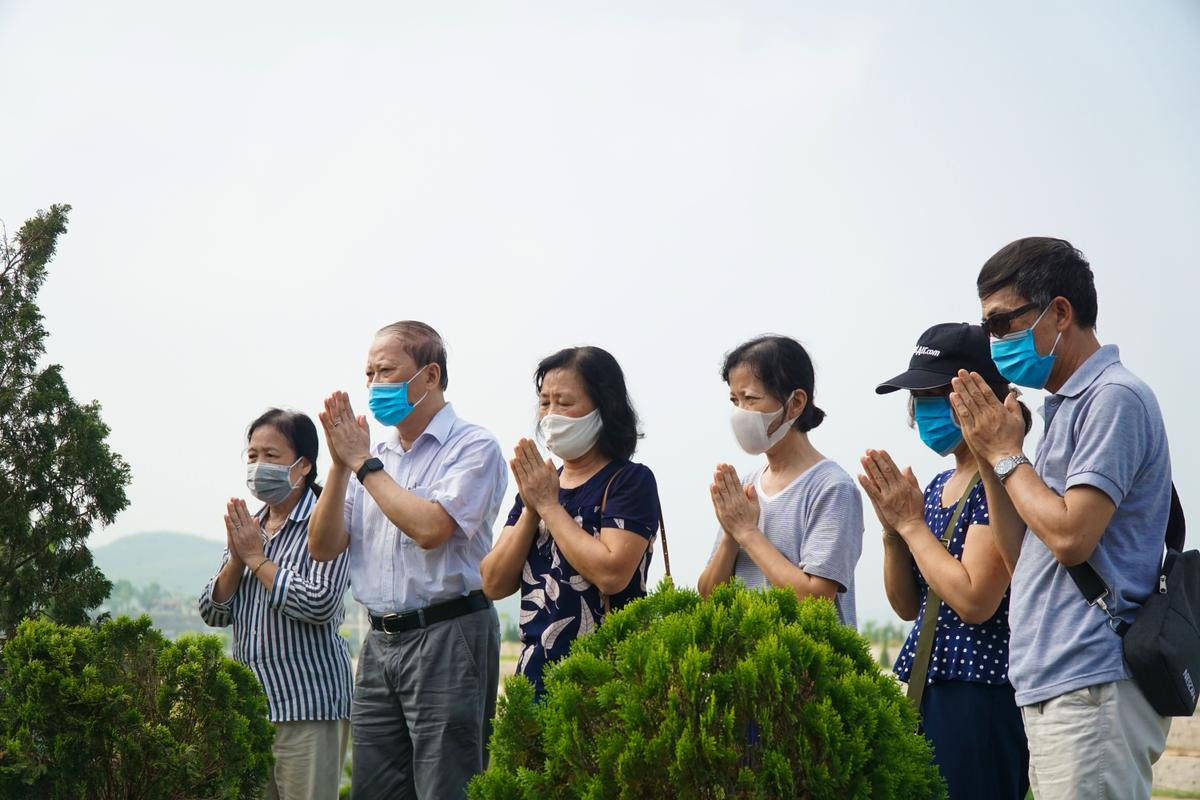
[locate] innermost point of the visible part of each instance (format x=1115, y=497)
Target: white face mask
x=750, y=428
x=570, y=437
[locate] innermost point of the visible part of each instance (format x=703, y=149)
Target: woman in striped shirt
x=286, y=608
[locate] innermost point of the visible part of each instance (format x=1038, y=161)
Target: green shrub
x=117, y=711
x=745, y=695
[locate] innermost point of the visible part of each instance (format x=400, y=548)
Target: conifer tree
x=58, y=477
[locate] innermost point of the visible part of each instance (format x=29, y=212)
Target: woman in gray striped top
x=797, y=520
x=286, y=608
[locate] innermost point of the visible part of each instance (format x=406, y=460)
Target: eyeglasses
x=1000, y=324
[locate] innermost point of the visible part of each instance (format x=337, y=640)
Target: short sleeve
x=833, y=532
x=471, y=486
x=632, y=502
x=354, y=491
x=515, y=513
x=1112, y=438
x=979, y=507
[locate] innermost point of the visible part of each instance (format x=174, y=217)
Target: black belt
x=424, y=617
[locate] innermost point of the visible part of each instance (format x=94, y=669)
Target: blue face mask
x=389, y=401
x=1018, y=360
x=936, y=424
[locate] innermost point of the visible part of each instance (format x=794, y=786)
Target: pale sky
x=257, y=187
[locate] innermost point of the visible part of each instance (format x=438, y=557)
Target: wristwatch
x=370, y=465
x=1008, y=465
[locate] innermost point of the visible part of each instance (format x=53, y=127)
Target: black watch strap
x=370, y=465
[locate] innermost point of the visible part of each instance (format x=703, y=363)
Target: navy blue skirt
x=978, y=739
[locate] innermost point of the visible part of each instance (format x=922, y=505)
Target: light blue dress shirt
x=453, y=463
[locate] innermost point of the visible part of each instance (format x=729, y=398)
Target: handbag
x=933, y=603
x=1162, y=644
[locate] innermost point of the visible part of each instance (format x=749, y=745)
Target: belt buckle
x=383, y=621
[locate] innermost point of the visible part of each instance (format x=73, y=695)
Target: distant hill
x=181, y=563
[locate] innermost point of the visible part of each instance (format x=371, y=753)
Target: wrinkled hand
x=244, y=533
x=537, y=479
x=234, y=558
x=346, y=436
x=991, y=429
x=896, y=496
x=736, y=507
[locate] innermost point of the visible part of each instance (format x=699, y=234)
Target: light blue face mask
x=1018, y=360
x=389, y=401
x=935, y=423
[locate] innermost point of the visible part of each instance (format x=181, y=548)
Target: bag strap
x=1092, y=587
x=933, y=604
x=662, y=526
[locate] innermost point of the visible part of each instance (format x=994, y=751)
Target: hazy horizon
x=257, y=188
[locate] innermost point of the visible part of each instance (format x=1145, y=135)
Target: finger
x=362, y=421
x=871, y=488
x=1013, y=406
x=871, y=465
x=978, y=390
x=962, y=389
x=959, y=403
x=733, y=486
x=751, y=493
x=911, y=478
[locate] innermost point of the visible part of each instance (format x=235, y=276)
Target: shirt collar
x=439, y=428
x=301, y=510
x=304, y=507
x=1090, y=370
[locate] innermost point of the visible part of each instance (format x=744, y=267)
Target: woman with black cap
x=942, y=569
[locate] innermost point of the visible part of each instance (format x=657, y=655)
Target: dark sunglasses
x=1000, y=323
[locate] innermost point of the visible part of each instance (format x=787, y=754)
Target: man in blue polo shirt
x=1098, y=490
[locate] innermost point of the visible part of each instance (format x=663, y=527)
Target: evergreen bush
x=117, y=711
x=745, y=695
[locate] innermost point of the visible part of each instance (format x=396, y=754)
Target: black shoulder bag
x=1162, y=645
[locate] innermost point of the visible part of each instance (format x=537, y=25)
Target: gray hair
x=422, y=343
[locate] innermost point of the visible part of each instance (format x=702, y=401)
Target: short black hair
x=1040, y=269
x=422, y=343
x=301, y=434
x=783, y=366
x=605, y=385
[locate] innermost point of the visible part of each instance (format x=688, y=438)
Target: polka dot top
x=961, y=652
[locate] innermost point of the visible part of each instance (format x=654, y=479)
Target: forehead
x=268, y=437
x=389, y=349
x=563, y=381
x=1005, y=299
x=743, y=379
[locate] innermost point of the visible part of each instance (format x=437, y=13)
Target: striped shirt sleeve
x=214, y=614
x=314, y=593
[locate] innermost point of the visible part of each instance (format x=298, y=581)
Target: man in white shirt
x=418, y=520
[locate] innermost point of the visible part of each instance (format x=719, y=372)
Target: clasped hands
x=896, y=496
x=736, y=506
x=537, y=478
x=243, y=534
x=346, y=435
x=991, y=429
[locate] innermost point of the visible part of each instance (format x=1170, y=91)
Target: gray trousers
x=423, y=706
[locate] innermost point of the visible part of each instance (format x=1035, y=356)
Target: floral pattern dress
x=557, y=603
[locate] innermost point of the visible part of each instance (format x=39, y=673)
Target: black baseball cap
x=940, y=353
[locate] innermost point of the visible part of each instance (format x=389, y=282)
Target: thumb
x=362, y=422
x=1012, y=403
x=751, y=494
x=911, y=477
